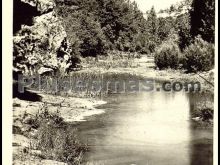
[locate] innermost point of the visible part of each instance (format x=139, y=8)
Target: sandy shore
x=70, y=108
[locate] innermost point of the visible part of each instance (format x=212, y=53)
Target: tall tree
x=164, y=27
x=183, y=27
x=203, y=19
x=114, y=24
x=152, y=29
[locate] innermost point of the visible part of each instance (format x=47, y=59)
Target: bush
x=60, y=144
x=167, y=55
x=199, y=56
x=57, y=139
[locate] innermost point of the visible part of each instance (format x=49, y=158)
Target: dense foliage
x=183, y=27
x=195, y=28
x=94, y=26
x=203, y=19
x=168, y=55
x=97, y=26
x=199, y=56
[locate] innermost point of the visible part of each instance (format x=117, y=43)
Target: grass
x=114, y=59
x=112, y=65
x=92, y=84
x=56, y=139
x=104, y=69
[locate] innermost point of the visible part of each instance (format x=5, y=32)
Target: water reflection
x=201, y=138
x=147, y=129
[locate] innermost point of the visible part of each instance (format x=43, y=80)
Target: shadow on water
x=205, y=154
x=202, y=143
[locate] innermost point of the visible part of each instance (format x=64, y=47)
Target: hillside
x=177, y=9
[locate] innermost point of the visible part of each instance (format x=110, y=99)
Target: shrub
x=57, y=140
x=199, y=56
x=60, y=144
x=167, y=55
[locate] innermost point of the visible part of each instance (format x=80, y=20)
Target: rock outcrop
x=38, y=37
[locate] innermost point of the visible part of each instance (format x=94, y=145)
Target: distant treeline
x=97, y=26
x=94, y=26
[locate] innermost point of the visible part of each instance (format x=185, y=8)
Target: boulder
x=42, y=6
x=36, y=44
x=20, y=140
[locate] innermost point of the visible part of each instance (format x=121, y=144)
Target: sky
x=145, y=5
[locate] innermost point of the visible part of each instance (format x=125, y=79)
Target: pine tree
x=152, y=29
x=203, y=19
x=183, y=28
x=111, y=24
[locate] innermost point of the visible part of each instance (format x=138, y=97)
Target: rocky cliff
x=40, y=43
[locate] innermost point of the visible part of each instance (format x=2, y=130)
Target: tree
x=203, y=19
x=172, y=9
x=152, y=22
x=183, y=28
x=84, y=31
x=164, y=27
x=100, y=25
x=152, y=29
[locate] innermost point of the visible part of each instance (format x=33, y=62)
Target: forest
x=180, y=37
x=66, y=51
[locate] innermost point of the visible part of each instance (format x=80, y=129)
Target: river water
x=147, y=129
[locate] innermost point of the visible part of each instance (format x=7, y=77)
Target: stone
x=33, y=133
x=36, y=153
x=16, y=130
x=28, y=119
x=42, y=6
x=52, y=162
x=17, y=123
x=196, y=119
x=37, y=44
x=26, y=128
x=21, y=140
x=44, y=70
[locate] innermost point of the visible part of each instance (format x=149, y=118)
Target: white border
x=7, y=16
x=215, y=142
x=7, y=34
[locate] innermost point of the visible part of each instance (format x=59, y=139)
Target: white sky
x=145, y=5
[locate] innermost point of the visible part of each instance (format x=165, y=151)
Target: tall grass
x=90, y=84
x=114, y=59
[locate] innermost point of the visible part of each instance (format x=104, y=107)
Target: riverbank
x=144, y=67
x=73, y=109
x=33, y=120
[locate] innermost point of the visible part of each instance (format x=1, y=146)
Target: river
x=147, y=129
